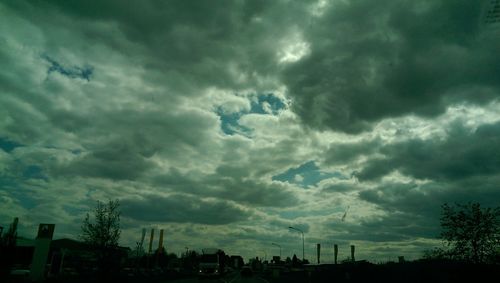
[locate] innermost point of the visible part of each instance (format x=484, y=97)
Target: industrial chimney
x=160, y=242
x=151, y=241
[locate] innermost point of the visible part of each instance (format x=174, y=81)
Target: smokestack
x=151, y=240
x=160, y=242
x=143, y=236
x=318, y=248
x=14, y=225
x=352, y=253
x=335, y=252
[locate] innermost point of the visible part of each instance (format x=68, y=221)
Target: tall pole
x=303, y=253
x=274, y=244
x=318, y=251
x=335, y=252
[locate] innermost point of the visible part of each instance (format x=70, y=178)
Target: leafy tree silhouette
x=101, y=233
x=471, y=232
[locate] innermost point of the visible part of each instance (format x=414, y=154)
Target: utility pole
x=302, y=232
x=274, y=244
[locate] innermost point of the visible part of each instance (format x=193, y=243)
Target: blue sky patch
x=267, y=104
x=264, y=104
x=8, y=145
x=73, y=72
x=307, y=174
x=230, y=123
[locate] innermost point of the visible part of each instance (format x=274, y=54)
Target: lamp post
x=274, y=244
x=296, y=229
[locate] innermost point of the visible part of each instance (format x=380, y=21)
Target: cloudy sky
x=225, y=122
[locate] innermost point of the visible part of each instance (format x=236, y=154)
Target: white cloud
x=298, y=178
x=293, y=48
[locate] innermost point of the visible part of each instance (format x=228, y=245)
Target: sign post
x=42, y=245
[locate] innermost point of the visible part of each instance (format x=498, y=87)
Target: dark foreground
x=359, y=272
x=405, y=272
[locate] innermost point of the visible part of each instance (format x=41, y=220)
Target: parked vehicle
x=212, y=263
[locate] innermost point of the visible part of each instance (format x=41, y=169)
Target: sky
x=226, y=122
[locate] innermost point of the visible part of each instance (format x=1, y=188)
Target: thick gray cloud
x=191, y=45
x=425, y=199
x=113, y=162
x=339, y=154
x=182, y=208
x=230, y=187
x=413, y=210
x=372, y=60
x=462, y=154
x=135, y=137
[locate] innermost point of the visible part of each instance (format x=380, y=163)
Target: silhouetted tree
x=471, y=232
x=7, y=247
x=102, y=232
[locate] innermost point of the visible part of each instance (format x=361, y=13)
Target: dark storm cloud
x=390, y=227
x=413, y=210
x=426, y=199
x=129, y=138
x=423, y=200
x=182, y=208
x=115, y=161
x=371, y=60
x=192, y=45
x=460, y=168
x=345, y=153
x=462, y=154
x=229, y=186
x=254, y=192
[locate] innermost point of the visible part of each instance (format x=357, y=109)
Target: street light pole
x=296, y=229
x=274, y=244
